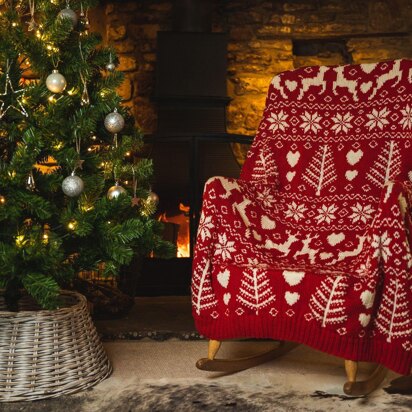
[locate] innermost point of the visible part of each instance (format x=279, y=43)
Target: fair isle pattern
x=312, y=243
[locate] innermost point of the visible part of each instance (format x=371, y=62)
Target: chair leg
x=214, y=346
x=362, y=388
x=235, y=365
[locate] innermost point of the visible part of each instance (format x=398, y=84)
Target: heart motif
x=351, y=174
x=353, y=157
x=223, y=278
x=335, y=238
x=291, y=85
x=367, y=298
x=366, y=86
x=292, y=297
x=364, y=319
x=290, y=176
x=293, y=158
x=410, y=175
x=293, y=278
x=226, y=298
x=267, y=223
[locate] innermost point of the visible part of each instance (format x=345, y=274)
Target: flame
x=183, y=236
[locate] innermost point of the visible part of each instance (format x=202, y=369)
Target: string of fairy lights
x=14, y=99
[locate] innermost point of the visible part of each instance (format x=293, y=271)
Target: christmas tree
x=74, y=194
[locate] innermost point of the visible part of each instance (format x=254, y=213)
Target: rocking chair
x=312, y=244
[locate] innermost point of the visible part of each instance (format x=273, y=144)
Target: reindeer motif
x=282, y=247
x=306, y=249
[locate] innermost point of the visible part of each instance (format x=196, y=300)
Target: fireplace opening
x=177, y=228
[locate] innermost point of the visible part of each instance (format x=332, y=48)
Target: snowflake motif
x=295, y=211
x=266, y=198
x=326, y=213
x=278, y=121
x=406, y=122
x=224, y=247
x=342, y=123
x=311, y=122
x=362, y=213
x=381, y=245
x=205, y=226
x=377, y=118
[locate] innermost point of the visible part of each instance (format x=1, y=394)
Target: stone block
x=241, y=33
x=127, y=63
x=150, y=30
x=252, y=83
x=149, y=57
x=288, y=19
x=117, y=32
x=126, y=89
x=268, y=31
x=303, y=6
x=125, y=46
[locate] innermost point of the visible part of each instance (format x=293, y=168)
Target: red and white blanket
x=312, y=243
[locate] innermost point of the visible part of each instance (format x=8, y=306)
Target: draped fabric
x=312, y=243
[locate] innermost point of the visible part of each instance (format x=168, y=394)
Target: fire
x=183, y=236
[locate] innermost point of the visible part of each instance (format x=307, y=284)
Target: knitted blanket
x=312, y=243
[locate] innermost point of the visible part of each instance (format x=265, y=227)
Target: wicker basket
x=45, y=354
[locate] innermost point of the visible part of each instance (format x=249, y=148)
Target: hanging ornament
x=110, y=66
x=85, y=99
x=2, y=200
x=115, y=191
x=135, y=199
x=30, y=183
x=32, y=24
x=56, y=82
x=68, y=13
x=84, y=20
x=114, y=122
x=153, y=198
x=8, y=87
x=72, y=185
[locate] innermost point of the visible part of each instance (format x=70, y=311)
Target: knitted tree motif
x=265, y=170
x=328, y=304
x=321, y=170
x=387, y=165
x=255, y=292
x=203, y=296
x=394, y=319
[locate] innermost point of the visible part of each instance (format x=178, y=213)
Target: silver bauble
x=56, y=82
x=153, y=198
x=72, y=185
x=68, y=13
x=110, y=67
x=114, y=122
x=115, y=191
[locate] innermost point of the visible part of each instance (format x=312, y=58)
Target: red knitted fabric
x=312, y=243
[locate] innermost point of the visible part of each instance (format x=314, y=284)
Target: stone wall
x=266, y=37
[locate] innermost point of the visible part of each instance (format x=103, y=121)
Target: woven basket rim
x=81, y=300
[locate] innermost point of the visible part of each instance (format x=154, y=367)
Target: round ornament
x=2, y=200
x=68, y=13
x=115, y=191
x=114, y=122
x=56, y=82
x=153, y=198
x=110, y=67
x=72, y=185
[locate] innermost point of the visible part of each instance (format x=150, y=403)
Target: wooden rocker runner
x=352, y=387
